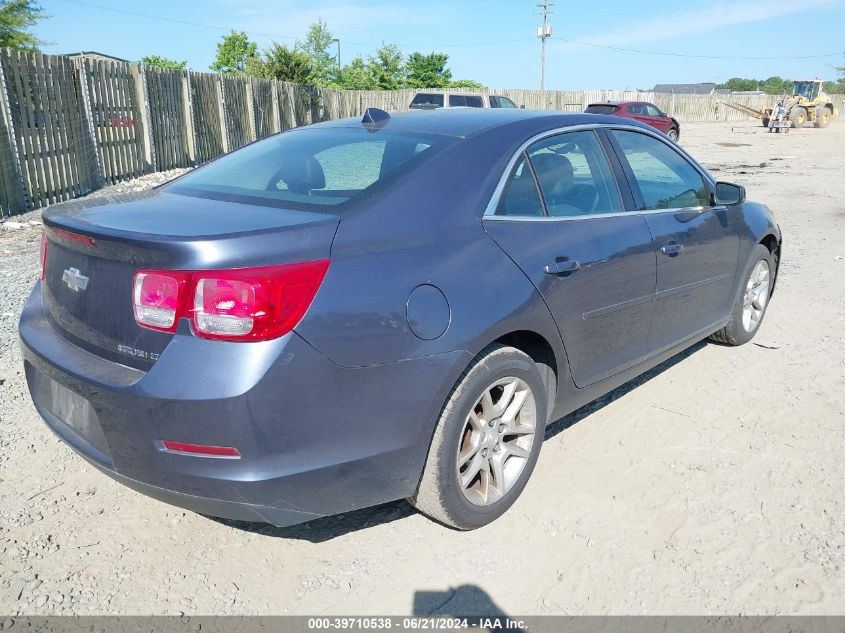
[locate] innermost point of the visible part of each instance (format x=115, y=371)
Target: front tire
x=486, y=442
x=798, y=116
x=752, y=299
x=673, y=134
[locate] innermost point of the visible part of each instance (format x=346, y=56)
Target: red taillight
x=254, y=304
x=44, y=248
x=156, y=298
x=200, y=449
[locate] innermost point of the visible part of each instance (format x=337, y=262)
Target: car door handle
x=671, y=249
x=561, y=267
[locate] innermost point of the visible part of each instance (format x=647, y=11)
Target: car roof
x=619, y=103
x=464, y=122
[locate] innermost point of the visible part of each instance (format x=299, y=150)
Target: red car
x=648, y=113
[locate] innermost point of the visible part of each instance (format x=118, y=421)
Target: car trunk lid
x=94, y=249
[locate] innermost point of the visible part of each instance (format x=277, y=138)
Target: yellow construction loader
x=807, y=103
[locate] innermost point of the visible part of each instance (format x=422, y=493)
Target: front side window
x=497, y=101
x=651, y=110
x=311, y=169
x=665, y=178
x=574, y=175
x=475, y=101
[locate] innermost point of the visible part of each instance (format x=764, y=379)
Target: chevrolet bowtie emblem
x=75, y=280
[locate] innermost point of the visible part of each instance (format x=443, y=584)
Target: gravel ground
x=713, y=485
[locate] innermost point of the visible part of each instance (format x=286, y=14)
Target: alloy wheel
x=756, y=296
x=496, y=441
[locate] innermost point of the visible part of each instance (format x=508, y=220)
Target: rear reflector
x=200, y=449
x=252, y=304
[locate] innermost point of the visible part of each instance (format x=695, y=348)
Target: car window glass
x=520, y=195
x=494, y=102
x=474, y=101
x=457, y=100
x=665, y=178
x=314, y=169
x=504, y=102
x=600, y=108
x=651, y=110
x=428, y=99
x=574, y=175
x=635, y=109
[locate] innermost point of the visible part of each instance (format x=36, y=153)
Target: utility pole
x=337, y=41
x=544, y=32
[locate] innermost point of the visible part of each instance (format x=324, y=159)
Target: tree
x=468, y=84
x=775, y=85
x=163, y=62
x=427, y=71
x=316, y=46
x=386, y=67
x=354, y=76
x=280, y=62
x=234, y=54
x=17, y=17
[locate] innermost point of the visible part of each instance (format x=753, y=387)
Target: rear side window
x=427, y=100
x=311, y=169
x=471, y=101
x=520, y=195
x=601, y=108
x=665, y=178
x=574, y=175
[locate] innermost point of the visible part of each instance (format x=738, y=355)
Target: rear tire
x=765, y=122
x=798, y=116
x=823, y=117
x=752, y=299
x=486, y=442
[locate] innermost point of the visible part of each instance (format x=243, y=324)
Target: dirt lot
x=713, y=485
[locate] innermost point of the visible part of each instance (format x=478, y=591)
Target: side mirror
x=663, y=115
x=729, y=193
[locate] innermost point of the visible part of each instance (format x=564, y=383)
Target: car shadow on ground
x=327, y=528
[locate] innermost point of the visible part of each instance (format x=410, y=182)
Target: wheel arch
x=542, y=353
x=772, y=243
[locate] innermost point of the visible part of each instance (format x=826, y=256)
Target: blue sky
x=492, y=41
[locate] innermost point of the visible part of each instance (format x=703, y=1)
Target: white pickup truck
x=446, y=99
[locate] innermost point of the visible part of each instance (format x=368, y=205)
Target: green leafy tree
x=467, y=84
x=234, y=53
x=163, y=62
x=354, y=76
x=316, y=45
x=17, y=17
x=280, y=62
x=386, y=67
x=427, y=71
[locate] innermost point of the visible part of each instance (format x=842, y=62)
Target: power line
x=726, y=57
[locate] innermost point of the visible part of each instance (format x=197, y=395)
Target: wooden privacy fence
x=71, y=125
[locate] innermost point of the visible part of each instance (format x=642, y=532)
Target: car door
x=560, y=216
x=697, y=243
x=655, y=118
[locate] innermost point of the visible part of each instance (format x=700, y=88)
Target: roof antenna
x=375, y=119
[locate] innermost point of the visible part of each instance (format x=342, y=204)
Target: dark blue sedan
x=361, y=311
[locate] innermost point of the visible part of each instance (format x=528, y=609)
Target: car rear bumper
x=314, y=438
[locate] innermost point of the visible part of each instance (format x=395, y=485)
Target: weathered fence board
x=67, y=127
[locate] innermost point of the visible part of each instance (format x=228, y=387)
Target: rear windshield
x=311, y=169
x=427, y=100
x=601, y=108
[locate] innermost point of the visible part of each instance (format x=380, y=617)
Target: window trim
x=616, y=163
